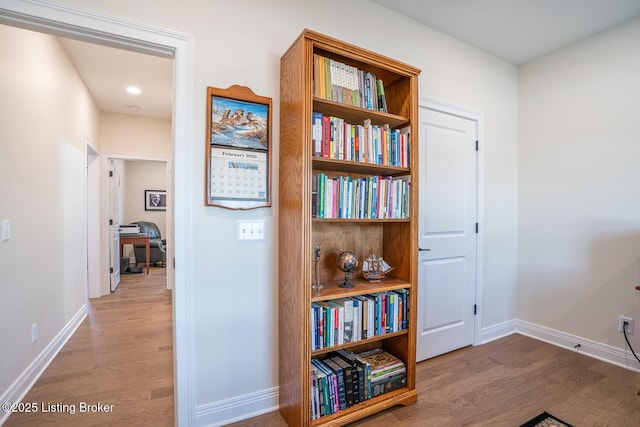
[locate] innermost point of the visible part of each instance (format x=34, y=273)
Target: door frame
x=106, y=213
x=478, y=117
x=93, y=220
x=87, y=25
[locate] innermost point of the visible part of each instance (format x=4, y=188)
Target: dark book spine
x=314, y=196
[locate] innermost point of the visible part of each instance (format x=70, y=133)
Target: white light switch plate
x=6, y=230
x=250, y=231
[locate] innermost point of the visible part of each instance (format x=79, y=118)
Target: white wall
x=235, y=285
x=45, y=115
x=132, y=137
x=141, y=176
x=579, y=234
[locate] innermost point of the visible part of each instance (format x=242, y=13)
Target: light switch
x=6, y=230
x=250, y=230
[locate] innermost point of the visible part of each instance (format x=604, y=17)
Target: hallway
x=117, y=369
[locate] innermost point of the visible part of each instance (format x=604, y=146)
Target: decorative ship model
x=374, y=268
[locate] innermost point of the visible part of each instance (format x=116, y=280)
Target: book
x=339, y=82
x=322, y=392
x=318, y=89
x=382, y=101
x=339, y=372
x=366, y=376
x=346, y=305
x=316, y=130
x=326, y=136
x=356, y=375
x=388, y=384
x=314, y=196
x=315, y=400
x=381, y=363
x=332, y=403
x=347, y=371
x=338, y=312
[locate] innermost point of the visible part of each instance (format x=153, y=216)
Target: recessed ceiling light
x=133, y=108
x=134, y=90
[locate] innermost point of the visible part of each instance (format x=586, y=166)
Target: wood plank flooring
x=506, y=383
x=121, y=355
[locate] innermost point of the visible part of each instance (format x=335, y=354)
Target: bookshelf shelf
x=359, y=343
x=394, y=239
x=351, y=167
x=362, y=220
x=332, y=290
x=353, y=114
x=401, y=396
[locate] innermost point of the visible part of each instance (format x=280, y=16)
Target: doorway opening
x=89, y=26
x=129, y=181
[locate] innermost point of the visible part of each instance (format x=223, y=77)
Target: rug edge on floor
x=539, y=418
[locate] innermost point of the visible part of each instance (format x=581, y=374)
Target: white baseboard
x=261, y=402
x=607, y=353
x=497, y=331
x=237, y=408
x=28, y=378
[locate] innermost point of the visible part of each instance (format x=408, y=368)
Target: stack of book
x=344, y=379
x=387, y=371
x=346, y=320
x=373, y=197
x=333, y=138
x=339, y=82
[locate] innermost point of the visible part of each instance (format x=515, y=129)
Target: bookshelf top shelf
x=357, y=115
x=332, y=290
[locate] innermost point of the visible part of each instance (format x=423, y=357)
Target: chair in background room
x=157, y=245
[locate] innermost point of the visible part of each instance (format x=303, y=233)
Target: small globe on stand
x=347, y=262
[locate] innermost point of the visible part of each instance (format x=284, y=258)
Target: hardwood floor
x=121, y=355
x=507, y=382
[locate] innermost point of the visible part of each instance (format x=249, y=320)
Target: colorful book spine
x=339, y=82
x=353, y=319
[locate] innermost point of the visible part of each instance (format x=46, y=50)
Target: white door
x=114, y=224
x=115, y=258
x=447, y=232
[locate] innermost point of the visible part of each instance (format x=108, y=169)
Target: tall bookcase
x=395, y=239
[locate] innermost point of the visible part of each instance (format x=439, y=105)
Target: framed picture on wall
x=155, y=200
x=238, y=166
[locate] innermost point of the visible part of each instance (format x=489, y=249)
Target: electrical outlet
x=34, y=333
x=629, y=321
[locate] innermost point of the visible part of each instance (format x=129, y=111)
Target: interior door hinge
x=477, y=148
x=111, y=270
x=477, y=228
x=475, y=309
x=110, y=222
x=110, y=174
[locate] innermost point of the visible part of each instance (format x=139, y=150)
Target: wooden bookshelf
x=394, y=239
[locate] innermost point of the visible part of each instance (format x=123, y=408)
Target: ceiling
x=107, y=72
x=515, y=30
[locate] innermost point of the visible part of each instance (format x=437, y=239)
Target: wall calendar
x=238, y=141
x=238, y=174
